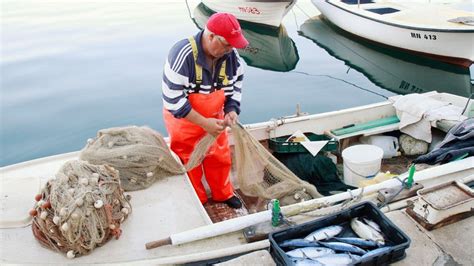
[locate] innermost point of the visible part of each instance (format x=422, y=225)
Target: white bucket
x=361, y=162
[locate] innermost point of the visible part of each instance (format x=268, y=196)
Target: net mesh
x=139, y=153
x=259, y=174
x=142, y=157
x=200, y=151
x=81, y=209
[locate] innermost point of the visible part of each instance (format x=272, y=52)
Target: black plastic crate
x=394, y=237
x=280, y=144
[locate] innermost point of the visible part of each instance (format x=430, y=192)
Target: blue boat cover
x=383, y=10
x=354, y=2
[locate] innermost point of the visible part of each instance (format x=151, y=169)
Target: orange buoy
x=46, y=205
x=38, y=197
x=33, y=212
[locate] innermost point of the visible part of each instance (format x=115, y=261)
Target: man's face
x=219, y=46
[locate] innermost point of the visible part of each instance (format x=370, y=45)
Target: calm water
x=71, y=68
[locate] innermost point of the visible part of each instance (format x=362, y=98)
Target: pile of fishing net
x=81, y=209
x=259, y=174
x=139, y=153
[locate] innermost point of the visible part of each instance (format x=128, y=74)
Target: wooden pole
x=158, y=243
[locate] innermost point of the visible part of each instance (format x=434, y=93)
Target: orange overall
x=184, y=135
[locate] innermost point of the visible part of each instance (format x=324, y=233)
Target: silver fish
x=375, y=252
x=372, y=224
x=325, y=233
x=307, y=262
x=338, y=259
x=363, y=243
x=309, y=252
x=366, y=232
x=343, y=247
x=298, y=243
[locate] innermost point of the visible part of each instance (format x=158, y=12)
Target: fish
x=325, y=233
x=307, y=262
x=338, y=259
x=298, y=243
x=309, y=252
x=366, y=232
x=375, y=252
x=372, y=224
x=343, y=247
x=362, y=243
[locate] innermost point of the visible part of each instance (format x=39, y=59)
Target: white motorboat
x=433, y=30
x=392, y=69
x=269, y=48
x=170, y=208
x=267, y=12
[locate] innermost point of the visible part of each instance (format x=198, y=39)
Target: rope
x=344, y=205
x=345, y=81
x=467, y=103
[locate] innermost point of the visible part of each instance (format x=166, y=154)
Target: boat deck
x=410, y=14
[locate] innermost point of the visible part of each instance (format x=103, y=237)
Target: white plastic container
x=388, y=144
x=361, y=162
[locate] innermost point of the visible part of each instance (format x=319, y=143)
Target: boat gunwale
x=400, y=25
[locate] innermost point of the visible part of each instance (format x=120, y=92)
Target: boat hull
x=262, y=12
x=269, y=47
x=452, y=46
x=392, y=69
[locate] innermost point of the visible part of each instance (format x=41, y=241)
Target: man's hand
x=214, y=126
x=231, y=118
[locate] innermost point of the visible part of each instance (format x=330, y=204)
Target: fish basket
x=396, y=239
x=281, y=145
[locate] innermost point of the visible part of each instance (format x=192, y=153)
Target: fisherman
x=201, y=87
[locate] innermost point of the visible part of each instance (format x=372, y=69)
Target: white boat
x=170, y=209
x=269, y=48
x=391, y=69
x=267, y=12
x=425, y=28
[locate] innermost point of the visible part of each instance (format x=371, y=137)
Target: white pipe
x=240, y=223
x=397, y=205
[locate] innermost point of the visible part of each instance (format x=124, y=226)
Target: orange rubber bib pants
x=184, y=136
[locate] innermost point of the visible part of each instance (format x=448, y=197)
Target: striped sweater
x=179, y=78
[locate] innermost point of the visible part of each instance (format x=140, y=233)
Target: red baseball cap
x=227, y=26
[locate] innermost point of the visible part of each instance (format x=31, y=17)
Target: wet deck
x=219, y=211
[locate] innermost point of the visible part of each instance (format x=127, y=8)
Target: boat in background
x=267, y=12
x=391, y=69
x=269, y=48
x=433, y=30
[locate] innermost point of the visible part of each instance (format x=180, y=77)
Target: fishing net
x=139, y=153
x=200, y=151
x=81, y=209
x=259, y=174
x=142, y=156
